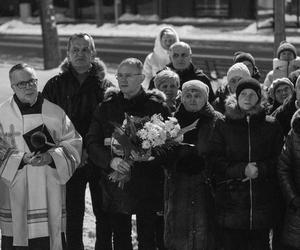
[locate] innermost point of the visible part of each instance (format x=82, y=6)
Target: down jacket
x=289, y=177
x=236, y=141
x=145, y=188
x=189, y=209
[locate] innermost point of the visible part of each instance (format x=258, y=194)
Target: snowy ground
x=249, y=33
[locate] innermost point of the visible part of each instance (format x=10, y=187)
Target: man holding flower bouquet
x=132, y=179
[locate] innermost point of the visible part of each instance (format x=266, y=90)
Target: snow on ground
x=250, y=33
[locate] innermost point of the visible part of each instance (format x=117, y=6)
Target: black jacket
x=289, y=177
x=146, y=184
x=78, y=101
x=236, y=141
x=284, y=113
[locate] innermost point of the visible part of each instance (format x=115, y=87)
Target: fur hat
x=195, y=85
x=241, y=56
x=238, y=69
x=248, y=83
x=279, y=82
x=284, y=45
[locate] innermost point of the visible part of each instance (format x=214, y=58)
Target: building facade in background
x=84, y=9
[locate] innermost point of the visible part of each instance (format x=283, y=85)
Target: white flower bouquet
x=139, y=137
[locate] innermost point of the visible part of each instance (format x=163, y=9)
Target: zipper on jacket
x=250, y=180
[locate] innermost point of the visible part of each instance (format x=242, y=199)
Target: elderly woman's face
x=283, y=92
x=170, y=88
x=193, y=100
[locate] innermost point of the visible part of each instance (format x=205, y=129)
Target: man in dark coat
x=78, y=89
x=143, y=193
x=181, y=63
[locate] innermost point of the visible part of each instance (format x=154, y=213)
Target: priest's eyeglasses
x=24, y=84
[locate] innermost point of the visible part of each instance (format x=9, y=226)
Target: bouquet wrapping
x=137, y=137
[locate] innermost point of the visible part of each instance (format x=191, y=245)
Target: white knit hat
x=238, y=69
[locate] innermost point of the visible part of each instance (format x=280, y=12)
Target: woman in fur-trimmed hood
x=189, y=207
x=244, y=150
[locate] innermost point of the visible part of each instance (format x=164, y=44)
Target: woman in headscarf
x=189, y=213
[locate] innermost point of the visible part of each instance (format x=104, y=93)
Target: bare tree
x=279, y=23
x=99, y=12
x=50, y=36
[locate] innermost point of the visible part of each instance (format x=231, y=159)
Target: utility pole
x=99, y=12
x=73, y=6
x=50, y=38
x=279, y=23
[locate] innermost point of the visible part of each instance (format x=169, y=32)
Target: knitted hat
x=195, y=85
x=279, y=82
x=248, y=83
x=284, y=45
x=238, y=69
x=241, y=56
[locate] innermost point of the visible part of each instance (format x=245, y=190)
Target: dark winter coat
x=221, y=96
x=235, y=142
x=272, y=108
x=78, y=100
x=189, y=210
x=289, y=177
x=191, y=73
x=145, y=188
x=284, y=113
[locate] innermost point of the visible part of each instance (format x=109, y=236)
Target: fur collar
x=233, y=112
x=98, y=67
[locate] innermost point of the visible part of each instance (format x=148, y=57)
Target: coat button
x=193, y=202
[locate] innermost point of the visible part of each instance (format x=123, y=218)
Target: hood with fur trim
x=155, y=94
x=233, y=112
x=98, y=67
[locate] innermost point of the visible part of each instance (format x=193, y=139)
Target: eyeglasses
x=120, y=76
x=30, y=83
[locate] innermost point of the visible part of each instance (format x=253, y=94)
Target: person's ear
x=143, y=77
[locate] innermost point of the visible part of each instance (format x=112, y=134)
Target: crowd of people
x=231, y=184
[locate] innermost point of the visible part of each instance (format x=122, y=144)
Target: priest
x=39, y=151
